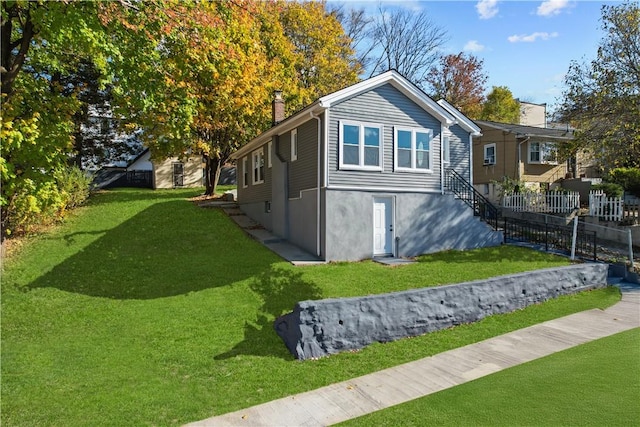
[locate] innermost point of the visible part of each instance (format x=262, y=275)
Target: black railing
x=551, y=237
x=482, y=207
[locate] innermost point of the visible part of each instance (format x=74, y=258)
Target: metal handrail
x=481, y=206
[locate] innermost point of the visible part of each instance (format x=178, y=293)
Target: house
x=144, y=172
x=360, y=173
x=533, y=114
x=522, y=153
x=172, y=172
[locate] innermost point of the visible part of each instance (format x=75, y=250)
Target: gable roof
x=463, y=121
x=391, y=77
x=528, y=131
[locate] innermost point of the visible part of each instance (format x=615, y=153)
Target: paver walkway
x=359, y=396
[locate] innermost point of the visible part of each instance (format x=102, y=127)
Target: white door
x=382, y=226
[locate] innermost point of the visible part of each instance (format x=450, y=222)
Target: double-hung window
x=490, y=154
x=413, y=149
x=257, y=162
x=245, y=173
x=294, y=145
x=543, y=152
x=360, y=146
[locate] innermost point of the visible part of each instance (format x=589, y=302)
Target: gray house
x=360, y=173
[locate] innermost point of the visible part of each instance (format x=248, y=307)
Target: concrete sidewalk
x=350, y=399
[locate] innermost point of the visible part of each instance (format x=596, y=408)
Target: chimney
x=277, y=108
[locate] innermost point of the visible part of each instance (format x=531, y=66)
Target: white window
x=413, y=149
x=360, y=146
x=294, y=145
x=245, y=173
x=445, y=150
x=269, y=149
x=257, y=162
x=490, y=154
x=543, y=152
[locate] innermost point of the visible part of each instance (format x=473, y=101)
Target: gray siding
x=254, y=192
x=389, y=107
x=459, y=151
x=303, y=173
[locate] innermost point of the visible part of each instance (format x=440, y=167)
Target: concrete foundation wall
x=257, y=212
x=303, y=220
x=320, y=328
x=423, y=223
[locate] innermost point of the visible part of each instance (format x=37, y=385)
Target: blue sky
x=525, y=45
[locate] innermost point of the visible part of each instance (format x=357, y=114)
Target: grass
x=144, y=309
x=594, y=384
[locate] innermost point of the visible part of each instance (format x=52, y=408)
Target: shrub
x=628, y=178
x=610, y=189
x=36, y=202
x=74, y=184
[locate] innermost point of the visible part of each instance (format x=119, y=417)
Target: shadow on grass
x=170, y=248
x=280, y=289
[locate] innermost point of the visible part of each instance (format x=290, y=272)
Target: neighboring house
x=533, y=114
x=143, y=172
x=173, y=172
x=361, y=173
x=523, y=153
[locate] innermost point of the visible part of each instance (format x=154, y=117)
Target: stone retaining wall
x=323, y=327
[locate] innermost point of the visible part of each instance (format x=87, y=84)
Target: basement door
x=382, y=226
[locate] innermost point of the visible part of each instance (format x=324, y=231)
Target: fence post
x=574, y=239
x=630, y=240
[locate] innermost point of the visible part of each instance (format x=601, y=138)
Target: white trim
x=269, y=153
x=245, y=181
x=414, y=150
x=257, y=157
x=384, y=189
x=488, y=161
x=361, y=146
x=541, y=145
x=293, y=141
x=326, y=148
x=463, y=121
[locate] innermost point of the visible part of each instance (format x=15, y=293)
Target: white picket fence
x=610, y=208
x=551, y=202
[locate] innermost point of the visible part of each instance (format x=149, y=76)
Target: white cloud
x=473, y=46
x=531, y=37
x=487, y=9
x=552, y=7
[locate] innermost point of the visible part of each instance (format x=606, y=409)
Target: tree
x=459, y=80
x=40, y=44
x=500, y=106
x=602, y=98
x=324, y=59
x=357, y=27
x=406, y=41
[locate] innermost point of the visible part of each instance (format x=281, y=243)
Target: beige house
x=172, y=172
x=523, y=153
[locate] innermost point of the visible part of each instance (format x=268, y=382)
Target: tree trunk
x=213, y=166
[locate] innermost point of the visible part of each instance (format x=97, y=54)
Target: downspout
x=319, y=173
x=520, y=158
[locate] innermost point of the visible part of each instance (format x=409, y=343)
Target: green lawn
x=144, y=309
x=595, y=384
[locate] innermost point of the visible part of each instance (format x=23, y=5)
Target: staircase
x=463, y=190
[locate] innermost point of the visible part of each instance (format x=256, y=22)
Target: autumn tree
x=41, y=42
x=459, y=79
x=323, y=58
x=500, y=106
x=602, y=98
